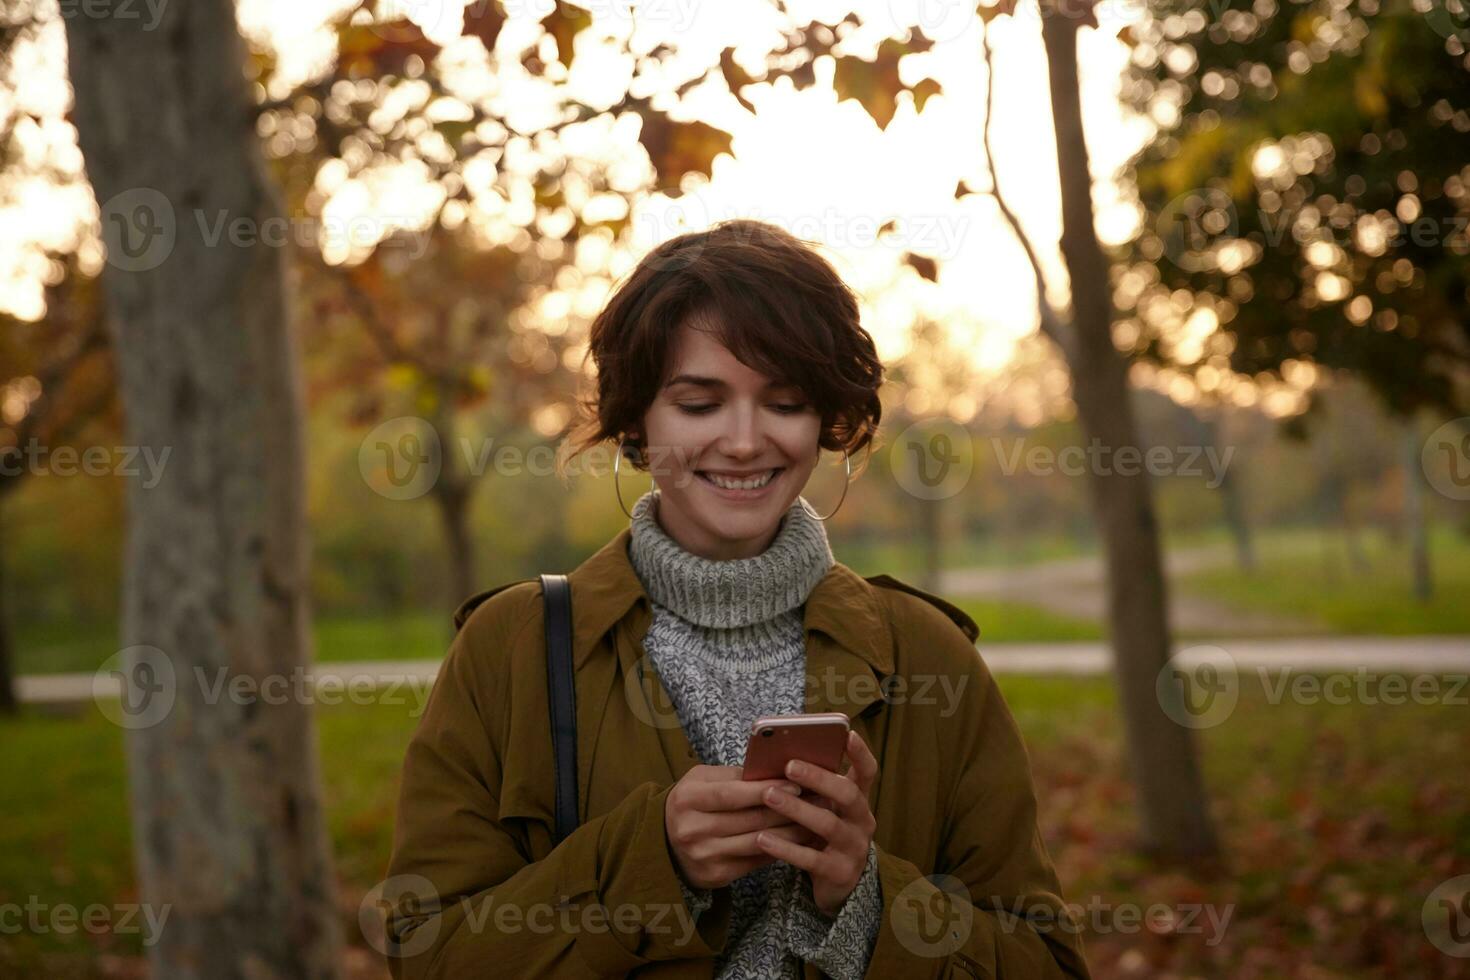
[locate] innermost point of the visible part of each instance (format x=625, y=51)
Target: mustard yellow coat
x=475, y=889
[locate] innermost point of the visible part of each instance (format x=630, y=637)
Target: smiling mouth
x=747, y=484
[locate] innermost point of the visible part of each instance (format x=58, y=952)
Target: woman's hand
x=711, y=819
x=842, y=820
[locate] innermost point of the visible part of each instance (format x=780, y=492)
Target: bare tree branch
x=1053, y=324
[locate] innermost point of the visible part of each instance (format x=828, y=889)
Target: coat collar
x=843, y=605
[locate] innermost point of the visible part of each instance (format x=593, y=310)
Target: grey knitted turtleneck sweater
x=728, y=643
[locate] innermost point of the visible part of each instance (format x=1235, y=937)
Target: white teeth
x=755, y=483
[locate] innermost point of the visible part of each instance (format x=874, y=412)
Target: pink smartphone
x=820, y=739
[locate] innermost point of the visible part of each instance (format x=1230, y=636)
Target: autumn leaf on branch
x=368, y=48
x=676, y=148
x=563, y=24
x=875, y=84
x=483, y=19
x=923, y=265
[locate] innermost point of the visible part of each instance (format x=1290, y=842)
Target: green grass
x=422, y=636
x=64, y=822
x=901, y=558
x=1011, y=622
x=1307, y=575
x=1290, y=782
x=60, y=648
x=1297, y=577
x=64, y=837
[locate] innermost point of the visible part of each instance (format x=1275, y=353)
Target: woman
x=725, y=364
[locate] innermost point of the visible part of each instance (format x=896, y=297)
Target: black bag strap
x=561, y=693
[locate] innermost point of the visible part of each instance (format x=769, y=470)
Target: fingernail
x=790, y=788
x=794, y=769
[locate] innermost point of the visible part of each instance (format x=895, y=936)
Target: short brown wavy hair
x=770, y=299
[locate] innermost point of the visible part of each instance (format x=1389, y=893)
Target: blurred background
x=1230, y=238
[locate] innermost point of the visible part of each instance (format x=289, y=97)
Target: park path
x=1376, y=654
x=1075, y=587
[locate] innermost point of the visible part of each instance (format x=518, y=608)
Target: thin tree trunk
x=453, y=506
x=227, y=819
x=1232, y=502
x=1415, y=516
x=1352, y=537
x=8, y=703
x=453, y=494
x=1330, y=573
x=929, y=542
x=1176, y=820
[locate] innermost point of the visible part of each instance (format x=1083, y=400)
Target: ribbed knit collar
x=734, y=592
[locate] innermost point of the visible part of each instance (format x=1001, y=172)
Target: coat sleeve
x=463, y=898
x=993, y=908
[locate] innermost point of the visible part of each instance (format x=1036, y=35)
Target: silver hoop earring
x=617, y=460
x=847, y=462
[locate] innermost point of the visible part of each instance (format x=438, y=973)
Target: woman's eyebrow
x=708, y=382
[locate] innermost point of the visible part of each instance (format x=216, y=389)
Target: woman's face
x=714, y=416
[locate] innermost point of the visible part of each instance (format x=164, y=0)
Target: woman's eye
x=702, y=409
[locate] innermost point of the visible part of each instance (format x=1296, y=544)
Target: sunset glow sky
x=818, y=167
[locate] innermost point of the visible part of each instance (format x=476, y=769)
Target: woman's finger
x=864, y=769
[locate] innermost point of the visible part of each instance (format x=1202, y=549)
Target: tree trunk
x=8, y=703
x=228, y=829
x=453, y=492
x=1232, y=502
x=453, y=503
x=1176, y=820
x=929, y=541
x=1415, y=517
x=1352, y=537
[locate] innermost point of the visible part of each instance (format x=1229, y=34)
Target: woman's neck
x=733, y=592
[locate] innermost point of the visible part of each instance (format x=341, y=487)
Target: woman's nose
x=742, y=434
